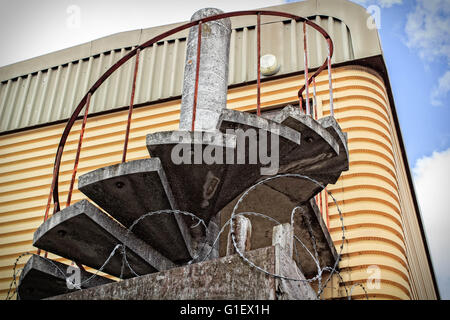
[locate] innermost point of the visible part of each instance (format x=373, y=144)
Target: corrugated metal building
x=381, y=214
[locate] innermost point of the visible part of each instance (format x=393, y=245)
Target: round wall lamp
x=269, y=65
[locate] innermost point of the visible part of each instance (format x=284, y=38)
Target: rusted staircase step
x=85, y=234
x=315, y=152
x=127, y=191
x=325, y=162
x=43, y=278
x=288, y=139
x=204, y=188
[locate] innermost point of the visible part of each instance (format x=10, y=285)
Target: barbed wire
x=314, y=245
x=316, y=261
x=356, y=285
x=341, y=280
x=171, y=211
x=314, y=256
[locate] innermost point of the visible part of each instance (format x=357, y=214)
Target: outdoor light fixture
x=269, y=65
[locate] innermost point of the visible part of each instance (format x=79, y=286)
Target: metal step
x=85, y=234
x=127, y=191
x=43, y=278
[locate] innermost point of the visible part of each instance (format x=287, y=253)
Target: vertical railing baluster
x=305, y=48
x=77, y=157
x=130, y=110
x=52, y=188
x=49, y=202
x=314, y=98
x=330, y=84
x=258, y=45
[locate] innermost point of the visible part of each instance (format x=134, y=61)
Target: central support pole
x=207, y=93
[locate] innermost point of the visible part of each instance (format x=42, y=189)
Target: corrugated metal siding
x=52, y=94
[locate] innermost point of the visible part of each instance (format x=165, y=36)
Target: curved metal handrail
x=86, y=98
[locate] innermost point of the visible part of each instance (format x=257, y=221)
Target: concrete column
x=213, y=73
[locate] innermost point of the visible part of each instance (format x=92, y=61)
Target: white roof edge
x=366, y=42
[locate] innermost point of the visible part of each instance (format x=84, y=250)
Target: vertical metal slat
x=10, y=111
x=244, y=55
x=64, y=90
x=96, y=98
x=173, y=69
x=293, y=38
x=107, y=86
x=76, y=81
x=51, y=105
x=118, y=75
x=17, y=114
x=232, y=68
x=4, y=99
x=154, y=49
x=34, y=93
x=162, y=70
x=44, y=93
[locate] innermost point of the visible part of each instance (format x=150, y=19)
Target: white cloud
x=428, y=29
x=389, y=3
x=441, y=90
x=432, y=184
x=381, y=3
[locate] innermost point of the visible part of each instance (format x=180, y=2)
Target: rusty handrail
x=55, y=178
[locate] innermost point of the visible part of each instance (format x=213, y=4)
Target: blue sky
x=415, y=70
x=415, y=36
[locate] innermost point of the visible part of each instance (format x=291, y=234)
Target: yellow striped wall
x=381, y=226
x=379, y=217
